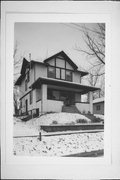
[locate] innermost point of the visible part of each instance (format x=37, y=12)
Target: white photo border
x=7, y=55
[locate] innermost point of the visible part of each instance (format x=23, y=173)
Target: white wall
x=38, y=94
x=38, y=105
x=83, y=107
x=76, y=77
x=55, y=106
x=40, y=71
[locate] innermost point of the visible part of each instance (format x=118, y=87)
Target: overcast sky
x=43, y=40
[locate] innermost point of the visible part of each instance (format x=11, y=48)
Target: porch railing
x=30, y=114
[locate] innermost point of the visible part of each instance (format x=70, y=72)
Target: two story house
x=53, y=84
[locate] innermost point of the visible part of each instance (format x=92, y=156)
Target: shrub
x=89, y=112
x=70, y=123
x=54, y=122
x=84, y=112
x=97, y=120
x=81, y=121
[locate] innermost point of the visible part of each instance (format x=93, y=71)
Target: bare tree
x=94, y=39
x=17, y=64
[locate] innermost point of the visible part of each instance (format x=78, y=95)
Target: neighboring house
x=98, y=106
x=52, y=84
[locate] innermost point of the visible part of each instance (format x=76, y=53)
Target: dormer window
x=68, y=75
x=51, y=72
x=59, y=73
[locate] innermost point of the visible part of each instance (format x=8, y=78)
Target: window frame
x=98, y=107
x=31, y=97
x=60, y=70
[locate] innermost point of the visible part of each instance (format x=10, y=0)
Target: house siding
x=83, y=107
x=39, y=96
x=40, y=71
x=76, y=77
x=98, y=111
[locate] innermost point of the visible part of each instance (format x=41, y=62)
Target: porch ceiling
x=49, y=81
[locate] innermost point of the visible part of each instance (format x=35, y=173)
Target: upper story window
x=59, y=73
x=68, y=75
x=31, y=97
x=51, y=72
x=25, y=84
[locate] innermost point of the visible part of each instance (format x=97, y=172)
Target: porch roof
x=50, y=81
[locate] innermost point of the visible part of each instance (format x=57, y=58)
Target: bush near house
x=81, y=121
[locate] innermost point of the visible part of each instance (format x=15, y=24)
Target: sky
x=43, y=40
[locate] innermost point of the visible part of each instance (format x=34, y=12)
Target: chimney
x=30, y=56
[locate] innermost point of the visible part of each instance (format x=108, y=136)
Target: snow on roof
x=98, y=100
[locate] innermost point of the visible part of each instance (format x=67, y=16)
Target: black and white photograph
x=59, y=89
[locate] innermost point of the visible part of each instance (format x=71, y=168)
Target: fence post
x=40, y=136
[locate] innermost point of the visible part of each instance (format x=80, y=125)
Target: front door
x=71, y=97
x=26, y=105
x=68, y=98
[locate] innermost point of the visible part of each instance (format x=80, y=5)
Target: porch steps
x=70, y=109
x=92, y=117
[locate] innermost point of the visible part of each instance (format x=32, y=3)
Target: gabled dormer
x=60, y=66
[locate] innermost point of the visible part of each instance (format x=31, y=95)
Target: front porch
x=55, y=94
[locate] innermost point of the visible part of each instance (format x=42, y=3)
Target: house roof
x=62, y=83
x=98, y=100
x=26, y=64
x=62, y=53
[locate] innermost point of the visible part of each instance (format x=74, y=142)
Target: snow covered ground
x=99, y=116
x=58, y=145
x=59, y=118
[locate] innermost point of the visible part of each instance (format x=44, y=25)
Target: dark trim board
x=85, y=89
x=26, y=94
x=62, y=53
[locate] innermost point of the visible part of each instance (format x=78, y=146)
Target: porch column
x=90, y=94
x=44, y=98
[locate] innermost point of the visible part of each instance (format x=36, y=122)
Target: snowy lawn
x=32, y=127
x=60, y=145
x=99, y=116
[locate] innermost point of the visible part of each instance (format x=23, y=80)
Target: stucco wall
x=40, y=71
x=83, y=107
x=76, y=77
x=30, y=106
x=38, y=105
x=55, y=106
x=38, y=94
